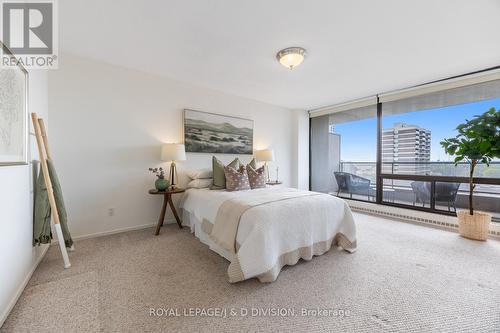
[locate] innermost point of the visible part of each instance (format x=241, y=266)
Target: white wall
x=18, y=258
x=301, y=154
x=107, y=127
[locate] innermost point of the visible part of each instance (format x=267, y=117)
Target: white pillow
x=200, y=183
x=200, y=174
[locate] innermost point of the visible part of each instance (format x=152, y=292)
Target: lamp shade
x=265, y=155
x=173, y=152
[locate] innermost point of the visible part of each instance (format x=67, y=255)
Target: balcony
x=447, y=194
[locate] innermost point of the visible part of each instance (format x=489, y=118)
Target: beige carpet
x=403, y=278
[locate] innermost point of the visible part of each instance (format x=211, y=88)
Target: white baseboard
x=116, y=231
x=22, y=286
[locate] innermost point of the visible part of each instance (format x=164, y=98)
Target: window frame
x=380, y=176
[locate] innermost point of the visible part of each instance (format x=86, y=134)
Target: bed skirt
x=291, y=258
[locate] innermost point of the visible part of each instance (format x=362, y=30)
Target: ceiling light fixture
x=291, y=57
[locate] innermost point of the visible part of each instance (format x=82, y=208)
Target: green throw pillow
x=219, y=180
x=253, y=164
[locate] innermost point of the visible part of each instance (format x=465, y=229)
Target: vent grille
x=402, y=216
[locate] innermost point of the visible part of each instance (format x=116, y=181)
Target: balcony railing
x=413, y=182
x=367, y=169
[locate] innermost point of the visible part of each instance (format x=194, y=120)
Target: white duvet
x=277, y=233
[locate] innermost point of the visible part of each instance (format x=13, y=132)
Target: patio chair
x=422, y=192
x=352, y=184
x=447, y=192
x=444, y=192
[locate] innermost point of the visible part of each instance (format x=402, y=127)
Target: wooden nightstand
x=274, y=183
x=167, y=198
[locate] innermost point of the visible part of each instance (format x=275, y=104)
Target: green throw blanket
x=41, y=224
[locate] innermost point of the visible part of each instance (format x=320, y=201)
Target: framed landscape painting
x=13, y=114
x=214, y=133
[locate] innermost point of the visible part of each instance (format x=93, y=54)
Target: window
x=411, y=140
x=413, y=169
x=343, y=153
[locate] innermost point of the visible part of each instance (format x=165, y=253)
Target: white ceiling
x=356, y=47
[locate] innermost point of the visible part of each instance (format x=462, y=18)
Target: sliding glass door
x=390, y=153
x=344, y=152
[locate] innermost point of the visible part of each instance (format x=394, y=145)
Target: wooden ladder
x=44, y=154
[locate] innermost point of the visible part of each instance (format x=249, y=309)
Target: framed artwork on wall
x=13, y=113
x=215, y=133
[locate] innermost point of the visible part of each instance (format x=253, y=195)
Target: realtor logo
x=29, y=32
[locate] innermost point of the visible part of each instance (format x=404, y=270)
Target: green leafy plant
x=478, y=141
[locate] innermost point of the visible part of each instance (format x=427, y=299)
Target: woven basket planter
x=474, y=226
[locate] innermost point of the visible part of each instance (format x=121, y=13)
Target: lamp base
x=172, y=175
x=267, y=172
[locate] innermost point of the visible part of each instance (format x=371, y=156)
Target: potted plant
x=478, y=141
x=161, y=184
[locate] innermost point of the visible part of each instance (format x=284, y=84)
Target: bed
x=259, y=231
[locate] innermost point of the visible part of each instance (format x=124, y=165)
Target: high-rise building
x=406, y=149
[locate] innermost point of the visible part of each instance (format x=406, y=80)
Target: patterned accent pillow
x=236, y=180
x=257, y=177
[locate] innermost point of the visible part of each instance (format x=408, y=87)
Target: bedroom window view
x=415, y=170
x=346, y=143
x=411, y=146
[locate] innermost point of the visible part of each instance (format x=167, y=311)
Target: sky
x=359, y=138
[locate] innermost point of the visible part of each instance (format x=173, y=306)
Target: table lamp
x=172, y=152
x=265, y=155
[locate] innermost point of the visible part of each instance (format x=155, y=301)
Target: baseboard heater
x=442, y=221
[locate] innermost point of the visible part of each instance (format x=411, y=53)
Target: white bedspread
x=278, y=233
